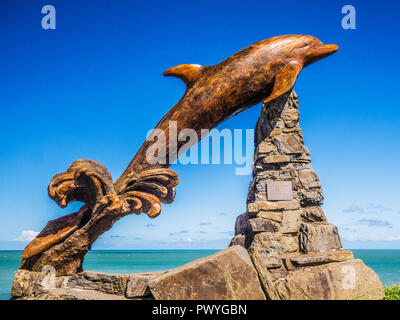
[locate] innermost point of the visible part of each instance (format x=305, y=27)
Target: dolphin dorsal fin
x=188, y=73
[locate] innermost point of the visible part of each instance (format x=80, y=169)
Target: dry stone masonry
x=296, y=251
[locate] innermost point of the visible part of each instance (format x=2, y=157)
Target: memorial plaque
x=280, y=190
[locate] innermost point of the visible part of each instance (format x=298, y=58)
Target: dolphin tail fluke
x=188, y=73
x=284, y=80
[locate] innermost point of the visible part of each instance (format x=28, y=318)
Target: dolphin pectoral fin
x=284, y=80
x=188, y=73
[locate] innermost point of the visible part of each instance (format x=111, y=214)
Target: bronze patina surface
x=261, y=72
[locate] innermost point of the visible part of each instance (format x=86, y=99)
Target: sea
x=386, y=263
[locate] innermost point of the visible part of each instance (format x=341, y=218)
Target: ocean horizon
x=386, y=263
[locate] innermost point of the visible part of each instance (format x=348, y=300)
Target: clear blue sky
x=93, y=87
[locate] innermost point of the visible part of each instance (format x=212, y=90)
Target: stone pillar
x=298, y=254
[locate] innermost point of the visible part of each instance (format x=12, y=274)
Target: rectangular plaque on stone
x=280, y=190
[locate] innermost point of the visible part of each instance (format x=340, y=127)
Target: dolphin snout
x=320, y=52
x=328, y=48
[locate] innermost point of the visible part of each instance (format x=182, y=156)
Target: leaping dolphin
x=261, y=72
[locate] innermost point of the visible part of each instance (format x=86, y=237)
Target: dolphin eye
x=305, y=45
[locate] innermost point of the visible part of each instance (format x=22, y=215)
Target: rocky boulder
x=314, y=237
x=226, y=275
x=347, y=280
x=88, y=285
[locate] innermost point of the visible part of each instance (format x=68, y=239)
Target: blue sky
x=93, y=87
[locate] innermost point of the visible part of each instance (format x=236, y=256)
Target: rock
x=290, y=116
x=285, y=175
x=260, y=196
x=309, y=179
x=263, y=225
x=270, y=215
x=311, y=198
x=265, y=148
x=137, y=285
x=268, y=258
x=257, y=206
x=313, y=214
x=103, y=282
x=242, y=224
x=275, y=241
x=73, y=294
x=243, y=231
x=319, y=237
x=287, y=144
x=226, y=275
x=28, y=283
x=290, y=221
x=276, y=131
x=302, y=158
x=266, y=175
x=301, y=165
x=261, y=186
x=311, y=259
x=238, y=240
x=295, y=129
x=347, y=280
x=276, y=159
x=266, y=278
x=278, y=274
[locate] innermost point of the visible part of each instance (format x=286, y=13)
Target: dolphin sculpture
x=263, y=71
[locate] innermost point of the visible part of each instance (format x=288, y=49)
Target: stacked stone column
x=288, y=237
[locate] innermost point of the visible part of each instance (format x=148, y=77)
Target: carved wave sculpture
x=66, y=240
